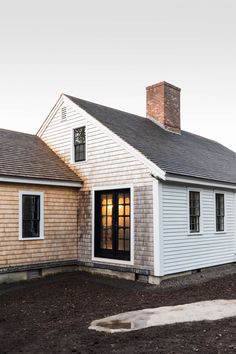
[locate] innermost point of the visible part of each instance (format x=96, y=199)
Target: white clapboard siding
x=108, y=164
x=181, y=251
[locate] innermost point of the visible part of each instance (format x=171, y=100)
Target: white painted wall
x=181, y=251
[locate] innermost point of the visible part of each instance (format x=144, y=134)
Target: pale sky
x=108, y=51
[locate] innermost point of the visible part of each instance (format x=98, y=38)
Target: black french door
x=112, y=224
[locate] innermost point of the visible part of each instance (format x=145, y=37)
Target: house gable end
x=154, y=169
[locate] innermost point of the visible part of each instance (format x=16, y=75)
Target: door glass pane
x=121, y=210
x=109, y=199
x=127, y=199
x=109, y=209
x=104, y=221
x=121, y=221
x=121, y=199
x=109, y=221
x=127, y=223
x=109, y=239
x=127, y=245
x=104, y=199
x=127, y=210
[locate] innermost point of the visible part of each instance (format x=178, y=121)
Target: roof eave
x=39, y=181
x=184, y=179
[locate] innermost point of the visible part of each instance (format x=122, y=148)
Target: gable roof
x=27, y=156
x=186, y=154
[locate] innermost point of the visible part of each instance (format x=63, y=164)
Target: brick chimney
x=163, y=105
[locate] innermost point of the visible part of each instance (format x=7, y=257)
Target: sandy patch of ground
x=197, y=311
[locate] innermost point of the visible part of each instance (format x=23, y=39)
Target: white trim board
x=37, y=181
x=157, y=228
x=41, y=220
x=199, y=182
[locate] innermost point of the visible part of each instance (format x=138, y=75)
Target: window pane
x=79, y=135
x=79, y=152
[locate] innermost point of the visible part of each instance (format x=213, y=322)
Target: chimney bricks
x=163, y=105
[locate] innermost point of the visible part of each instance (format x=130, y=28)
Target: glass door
x=112, y=224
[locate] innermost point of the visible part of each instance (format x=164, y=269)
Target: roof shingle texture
x=186, y=154
x=26, y=155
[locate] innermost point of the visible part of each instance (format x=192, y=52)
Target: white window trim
x=111, y=260
x=201, y=209
x=73, y=147
x=225, y=216
x=41, y=222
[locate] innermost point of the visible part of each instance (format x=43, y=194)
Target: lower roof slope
x=27, y=156
x=185, y=154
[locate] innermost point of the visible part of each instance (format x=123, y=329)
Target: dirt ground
x=52, y=315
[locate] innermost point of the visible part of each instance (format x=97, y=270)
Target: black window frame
x=31, y=217
x=113, y=253
x=194, y=212
x=79, y=146
x=219, y=212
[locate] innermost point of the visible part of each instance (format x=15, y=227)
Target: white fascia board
x=50, y=116
x=154, y=169
x=199, y=182
x=37, y=181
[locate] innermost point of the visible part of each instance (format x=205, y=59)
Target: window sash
x=220, y=211
x=30, y=216
x=194, y=211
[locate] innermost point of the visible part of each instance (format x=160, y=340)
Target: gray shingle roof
x=27, y=156
x=186, y=154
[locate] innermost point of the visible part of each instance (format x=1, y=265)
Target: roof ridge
x=101, y=105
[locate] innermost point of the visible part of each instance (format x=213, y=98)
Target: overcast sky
x=108, y=51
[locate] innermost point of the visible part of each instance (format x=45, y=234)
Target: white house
x=147, y=199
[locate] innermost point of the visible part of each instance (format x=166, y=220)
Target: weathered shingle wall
x=60, y=226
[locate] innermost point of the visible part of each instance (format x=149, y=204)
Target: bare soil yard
x=52, y=315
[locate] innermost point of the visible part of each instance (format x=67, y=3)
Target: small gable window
x=79, y=144
x=220, y=211
x=31, y=215
x=194, y=212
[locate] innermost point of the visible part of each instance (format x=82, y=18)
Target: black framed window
x=79, y=144
x=220, y=211
x=30, y=216
x=194, y=211
x=112, y=224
